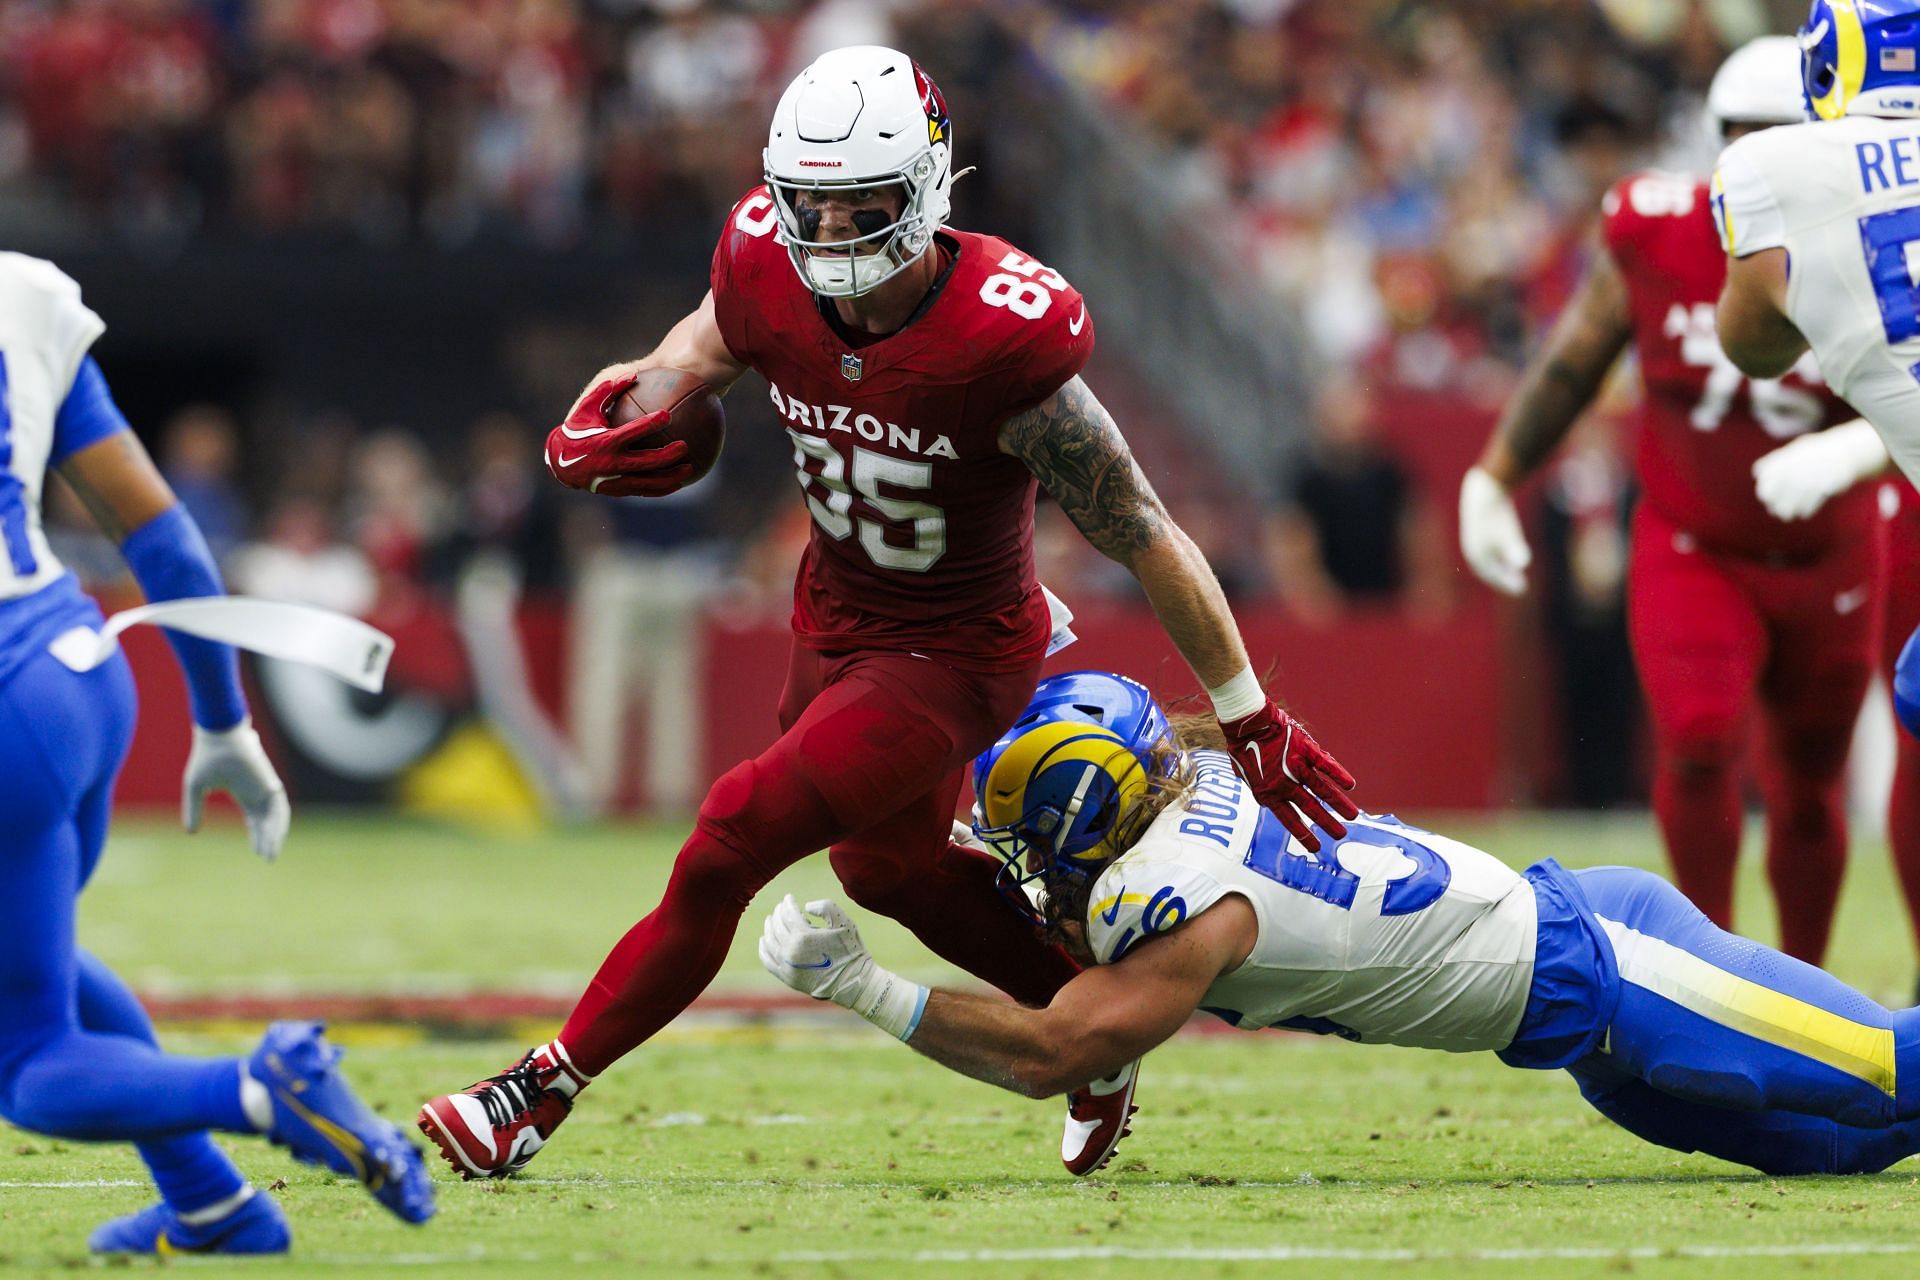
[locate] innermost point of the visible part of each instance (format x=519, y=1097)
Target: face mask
x=841, y=275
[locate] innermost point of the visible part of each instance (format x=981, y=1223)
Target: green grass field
x=815, y=1146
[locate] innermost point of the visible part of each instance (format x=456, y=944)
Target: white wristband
x=891, y=1003
x=1239, y=697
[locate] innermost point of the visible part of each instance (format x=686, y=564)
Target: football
x=696, y=415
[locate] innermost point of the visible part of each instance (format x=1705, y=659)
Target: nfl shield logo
x=850, y=367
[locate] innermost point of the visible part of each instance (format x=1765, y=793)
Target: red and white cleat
x=493, y=1128
x=1098, y=1116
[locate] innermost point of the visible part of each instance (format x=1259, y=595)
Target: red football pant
x=1713, y=634
x=869, y=764
x=1903, y=615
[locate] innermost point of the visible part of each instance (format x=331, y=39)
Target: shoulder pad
x=1136, y=898
x=47, y=300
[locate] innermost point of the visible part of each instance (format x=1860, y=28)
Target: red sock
x=1699, y=810
x=665, y=961
x=1903, y=824
x=1806, y=859
x=953, y=908
x=754, y=823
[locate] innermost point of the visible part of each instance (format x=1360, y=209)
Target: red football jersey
x=922, y=532
x=1703, y=422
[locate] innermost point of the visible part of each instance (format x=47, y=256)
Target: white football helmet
x=861, y=117
x=1759, y=83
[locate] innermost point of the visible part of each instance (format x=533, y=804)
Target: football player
x=1159, y=865
x=78, y=1058
x=1729, y=608
x=1839, y=198
x=928, y=381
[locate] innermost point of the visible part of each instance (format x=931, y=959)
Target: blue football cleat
x=318, y=1117
x=257, y=1226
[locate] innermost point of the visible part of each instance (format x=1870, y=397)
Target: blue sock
x=190, y=1170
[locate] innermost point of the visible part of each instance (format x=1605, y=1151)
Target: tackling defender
x=928, y=378
x=1729, y=607
x=1158, y=864
x=78, y=1057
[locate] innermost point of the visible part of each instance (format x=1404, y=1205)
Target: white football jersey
x=45, y=331
x=1394, y=935
x=1843, y=198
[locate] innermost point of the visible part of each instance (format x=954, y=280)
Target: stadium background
x=356, y=255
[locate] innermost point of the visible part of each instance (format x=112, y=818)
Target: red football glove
x=1291, y=774
x=585, y=452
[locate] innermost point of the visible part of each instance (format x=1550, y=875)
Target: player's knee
x=766, y=812
x=870, y=880
x=1698, y=743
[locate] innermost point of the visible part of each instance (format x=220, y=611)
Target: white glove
x=829, y=962
x=1490, y=536
x=233, y=761
x=1800, y=477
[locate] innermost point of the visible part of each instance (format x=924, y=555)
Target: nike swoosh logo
x=1112, y=913
x=565, y=461
x=1079, y=322
x=1847, y=601
x=571, y=434
x=824, y=964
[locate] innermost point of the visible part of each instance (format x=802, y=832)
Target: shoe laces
x=511, y=1094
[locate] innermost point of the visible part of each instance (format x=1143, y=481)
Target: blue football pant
x=78, y=1057
x=1727, y=1047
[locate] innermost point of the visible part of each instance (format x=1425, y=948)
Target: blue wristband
x=170, y=561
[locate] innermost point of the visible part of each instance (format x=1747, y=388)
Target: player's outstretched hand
x=824, y=959
x=620, y=460
x=1797, y=479
x=1291, y=774
x=233, y=761
x=1490, y=536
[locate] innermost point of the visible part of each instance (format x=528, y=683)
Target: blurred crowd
x=390, y=119
x=1418, y=177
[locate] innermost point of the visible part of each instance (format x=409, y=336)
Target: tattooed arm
x=1562, y=380
x=1071, y=444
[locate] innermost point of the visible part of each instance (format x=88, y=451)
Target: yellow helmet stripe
x=1851, y=40
x=1048, y=744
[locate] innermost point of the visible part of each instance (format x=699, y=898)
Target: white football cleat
x=1098, y=1116
x=493, y=1128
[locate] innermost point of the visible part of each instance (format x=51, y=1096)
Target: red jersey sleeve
x=1042, y=352
x=737, y=261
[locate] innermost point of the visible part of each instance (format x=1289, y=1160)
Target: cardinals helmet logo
x=938, y=126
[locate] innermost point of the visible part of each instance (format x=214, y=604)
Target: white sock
x=218, y=1209
x=255, y=1101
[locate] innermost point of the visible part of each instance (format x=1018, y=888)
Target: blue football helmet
x=1088, y=747
x=1861, y=57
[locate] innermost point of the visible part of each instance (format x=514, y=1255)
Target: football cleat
x=493, y=1128
x=1098, y=1116
x=255, y=1226
x=318, y=1117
